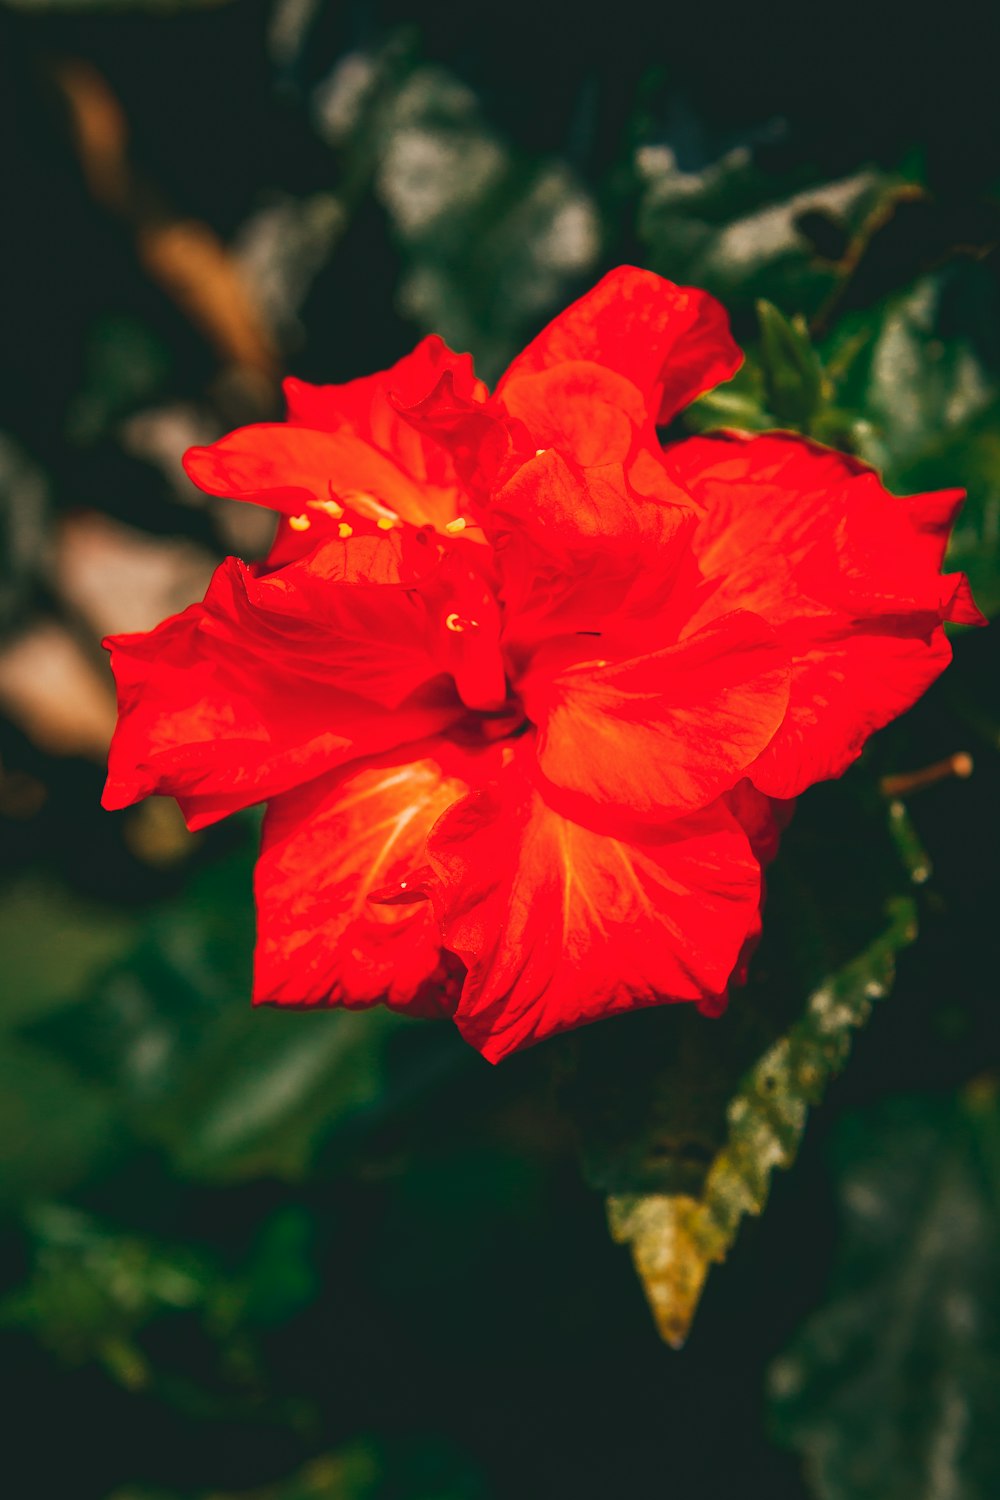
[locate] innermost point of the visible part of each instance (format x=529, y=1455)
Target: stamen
x=540, y=451
x=384, y=524
x=458, y=624
x=331, y=508
x=901, y=785
x=454, y=527
x=368, y=506
x=344, y=531
x=299, y=523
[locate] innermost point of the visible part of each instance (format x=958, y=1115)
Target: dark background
x=338, y=1255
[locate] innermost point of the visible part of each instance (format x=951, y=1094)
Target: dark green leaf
x=684, y=1128
x=923, y=378
x=742, y=233
x=227, y=1090
x=889, y=1391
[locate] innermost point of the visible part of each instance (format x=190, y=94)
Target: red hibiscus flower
x=527, y=695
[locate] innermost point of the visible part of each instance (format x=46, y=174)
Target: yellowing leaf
x=674, y=1238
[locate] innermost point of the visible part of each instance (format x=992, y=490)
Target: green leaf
x=923, y=380
x=889, y=1390
x=127, y=365
x=351, y=1474
x=793, y=375
x=781, y=383
x=738, y=231
x=675, y=1237
x=55, y=1127
x=683, y=1123
x=740, y=403
x=367, y=1469
x=53, y=943
x=92, y=1290
x=492, y=239
x=227, y=1090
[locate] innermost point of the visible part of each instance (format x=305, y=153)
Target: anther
x=458, y=624
x=540, y=451
x=299, y=523
x=454, y=527
x=367, y=506
x=384, y=523
x=331, y=508
x=959, y=764
x=344, y=531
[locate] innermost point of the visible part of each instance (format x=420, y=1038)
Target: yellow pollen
x=331, y=508
x=454, y=527
x=384, y=523
x=344, y=531
x=299, y=523
x=458, y=625
x=367, y=506
x=540, y=451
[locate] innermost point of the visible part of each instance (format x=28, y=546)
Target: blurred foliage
x=889, y=1389
x=320, y=1256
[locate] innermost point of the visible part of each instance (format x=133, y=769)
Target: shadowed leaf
x=889, y=1390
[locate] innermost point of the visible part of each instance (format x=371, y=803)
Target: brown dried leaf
x=668, y=1259
x=117, y=579
x=187, y=258
x=52, y=690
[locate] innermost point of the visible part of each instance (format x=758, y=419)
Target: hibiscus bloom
x=528, y=696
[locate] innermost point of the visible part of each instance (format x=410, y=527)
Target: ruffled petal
x=847, y=574
x=346, y=455
x=299, y=470
x=793, y=529
x=663, y=734
x=847, y=683
x=763, y=819
x=273, y=680
x=673, y=343
x=371, y=409
x=582, y=551
x=587, y=412
x=359, y=404
x=559, y=925
x=327, y=848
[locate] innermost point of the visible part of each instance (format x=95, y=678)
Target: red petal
x=671, y=342
x=846, y=572
x=357, y=403
x=370, y=408
x=763, y=819
x=849, y=682
x=287, y=467
x=663, y=734
x=270, y=682
x=560, y=925
x=326, y=848
x=586, y=411
x=346, y=444
x=932, y=517
x=582, y=550
x=793, y=528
